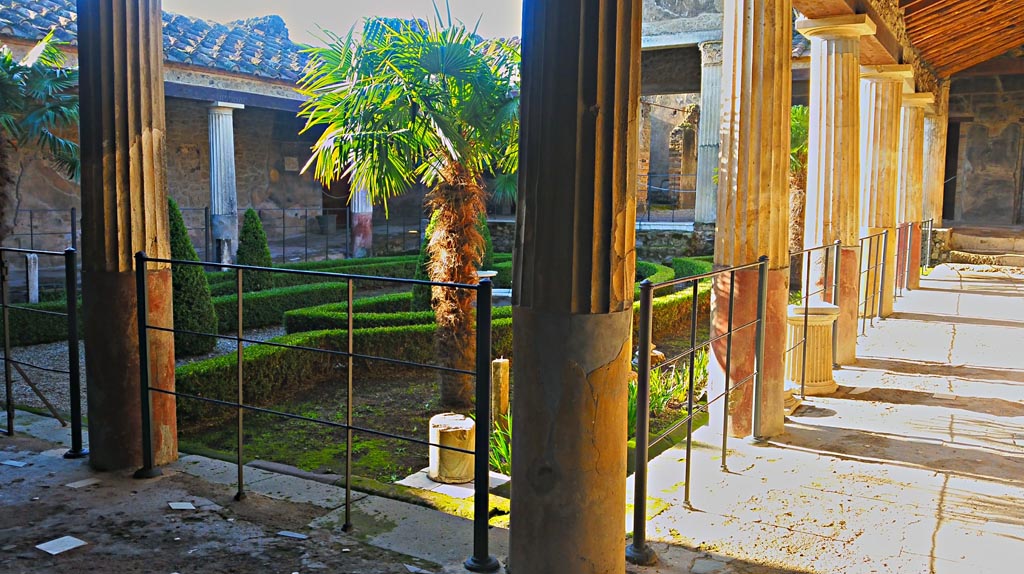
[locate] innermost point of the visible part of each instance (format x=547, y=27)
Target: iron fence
x=904, y=242
x=639, y=552
x=873, y=269
x=824, y=272
x=298, y=233
x=481, y=560
x=679, y=191
x=37, y=226
x=927, y=229
x=73, y=371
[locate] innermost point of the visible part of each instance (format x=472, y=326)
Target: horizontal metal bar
x=829, y=246
x=32, y=366
x=700, y=409
x=30, y=310
x=332, y=424
x=32, y=251
x=703, y=276
x=313, y=350
x=341, y=276
x=708, y=343
x=793, y=348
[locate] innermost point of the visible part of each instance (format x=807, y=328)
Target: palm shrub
x=422, y=293
x=254, y=250
x=193, y=307
x=38, y=105
x=414, y=101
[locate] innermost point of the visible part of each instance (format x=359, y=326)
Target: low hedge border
x=394, y=269
x=28, y=328
x=266, y=308
x=273, y=374
x=652, y=272
x=368, y=313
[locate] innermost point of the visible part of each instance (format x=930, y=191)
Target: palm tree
x=38, y=109
x=413, y=101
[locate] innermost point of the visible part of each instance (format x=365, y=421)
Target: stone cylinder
x=814, y=369
x=454, y=431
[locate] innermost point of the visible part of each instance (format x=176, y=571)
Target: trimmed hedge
x=272, y=374
x=688, y=266
x=367, y=314
x=266, y=308
x=29, y=328
x=652, y=272
x=503, y=280
x=193, y=308
x=397, y=269
x=254, y=250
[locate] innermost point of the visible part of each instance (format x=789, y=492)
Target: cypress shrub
x=193, y=307
x=421, y=293
x=254, y=250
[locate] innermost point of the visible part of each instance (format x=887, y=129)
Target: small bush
x=193, y=308
x=254, y=250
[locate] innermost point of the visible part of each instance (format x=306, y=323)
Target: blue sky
x=500, y=17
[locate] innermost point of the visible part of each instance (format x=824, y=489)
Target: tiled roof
x=256, y=47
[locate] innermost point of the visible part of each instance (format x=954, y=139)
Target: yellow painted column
x=753, y=205
x=912, y=179
x=833, y=170
x=881, y=98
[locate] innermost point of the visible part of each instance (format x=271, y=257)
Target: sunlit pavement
x=916, y=464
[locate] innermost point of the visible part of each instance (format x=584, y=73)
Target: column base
x=112, y=369
x=571, y=372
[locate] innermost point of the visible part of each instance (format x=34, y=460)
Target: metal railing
x=904, y=241
x=32, y=225
x=639, y=552
x=826, y=274
x=481, y=560
x=303, y=232
x=927, y=229
x=680, y=187
x=73, y=371
x=872, y=277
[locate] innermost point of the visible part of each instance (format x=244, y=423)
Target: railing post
x=31, y=229
x=885, y=259
x=639, y=552
x=240, y=354
x=728, y=370
x=350, y=349
x=148, y=469
x=837, y=263
x=481, y=560
x=207, y=234
x=284, y=237
x=928, y=245
x=74, y=369
x=8, y=380
x=762, y=300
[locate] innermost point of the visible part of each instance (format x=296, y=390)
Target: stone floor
x=916, y=464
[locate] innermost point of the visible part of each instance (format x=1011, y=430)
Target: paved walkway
x=915, y=466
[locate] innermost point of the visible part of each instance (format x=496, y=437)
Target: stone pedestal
x=454, y=431
x=707, y=132
x=816, y=371
x=881, y=100
x=573, y=294
x=223, y=184
x=753, y=203
x=124, y=210
x=911, y=199
x=833, y=175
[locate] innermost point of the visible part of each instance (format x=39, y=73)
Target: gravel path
x=55, y=386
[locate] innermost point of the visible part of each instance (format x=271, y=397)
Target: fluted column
x=573, y=285
x=936, y=127
x=910, y=209
x=223, y=184
x=881, y=97
x=707, y=134
x=833, y=162
x=361, y=224
x=124, y=210
x=643, y=180
x=753, y=205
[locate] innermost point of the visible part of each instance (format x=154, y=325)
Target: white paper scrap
x=290, y=534
x=181, y=505
x=62, y=544
x=860, y=390
x=415, y=570
x=14, y=463
x=83, y=483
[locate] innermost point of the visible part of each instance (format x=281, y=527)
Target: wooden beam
x=995, y=67
x=973, y=58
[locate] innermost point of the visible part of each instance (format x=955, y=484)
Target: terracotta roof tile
x=256, y=46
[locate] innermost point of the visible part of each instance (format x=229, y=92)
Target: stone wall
x=991, y=148
x=659, y=246
x=677, y=22
x=941, y=245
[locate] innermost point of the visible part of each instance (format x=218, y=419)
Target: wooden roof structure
x=953, y=35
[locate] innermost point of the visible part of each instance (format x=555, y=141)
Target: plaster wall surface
x=991, y=149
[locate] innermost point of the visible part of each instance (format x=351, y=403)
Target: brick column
x=833, y=162
x=753, y=204
x=707, y=135
x=124, y=210
x=911, y=181
x=573, y=286
x=223, y=184
x=881, y=96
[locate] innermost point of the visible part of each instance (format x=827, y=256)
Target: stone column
x=361, y=223
x=644, y=156
x=833, y=162
x=753, y=205
x=708, y=131
x=881, y=96
x=124, y=210
x=936, y=127
x=911, y=179
x=223, y=184
x=573, y=287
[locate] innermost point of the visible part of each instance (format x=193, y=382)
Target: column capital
x=710, y=53
x=918, y=100
x=836, y=27
x=888, y=72
x=225, y=107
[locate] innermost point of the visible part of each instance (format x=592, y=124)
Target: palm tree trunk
x=456, y=249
